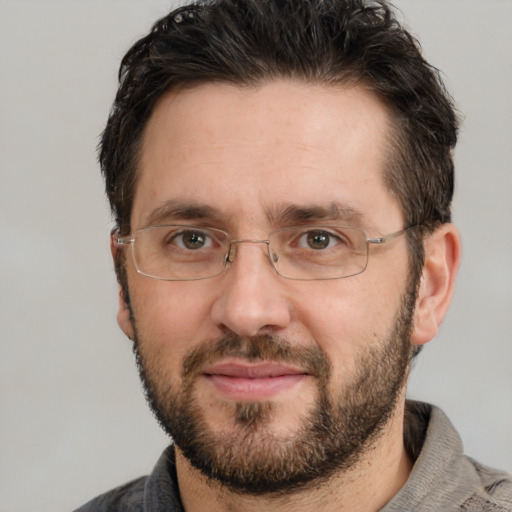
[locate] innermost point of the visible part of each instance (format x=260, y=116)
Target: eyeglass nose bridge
x=230, y=257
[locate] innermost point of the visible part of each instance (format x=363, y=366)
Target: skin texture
x=235, y=159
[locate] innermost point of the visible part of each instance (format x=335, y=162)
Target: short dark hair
x=249, y=42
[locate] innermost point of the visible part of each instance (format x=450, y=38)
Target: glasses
x=188, y=253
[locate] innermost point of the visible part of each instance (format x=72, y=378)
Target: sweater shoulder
x=125, y=498
x=495, y=494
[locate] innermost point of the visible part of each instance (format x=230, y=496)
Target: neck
x=380, y=473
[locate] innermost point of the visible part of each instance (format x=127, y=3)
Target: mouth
x=242, y=381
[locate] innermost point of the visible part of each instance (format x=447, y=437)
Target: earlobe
x=124, y=317
x=442, y=259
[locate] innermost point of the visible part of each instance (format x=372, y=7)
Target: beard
x=332, y=434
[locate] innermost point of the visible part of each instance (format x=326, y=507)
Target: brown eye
x=319, y=239
x=192, y=240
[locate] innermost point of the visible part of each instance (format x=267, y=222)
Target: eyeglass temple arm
x=391, y=236
x=123, y=240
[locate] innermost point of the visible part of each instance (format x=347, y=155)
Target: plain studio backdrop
x=74, y=422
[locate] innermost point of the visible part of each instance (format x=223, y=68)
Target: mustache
x=257, y=348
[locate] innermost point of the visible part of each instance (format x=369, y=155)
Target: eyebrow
x=177, y=210
x=284, y=214
x=291, y=214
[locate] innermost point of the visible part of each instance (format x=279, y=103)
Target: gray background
x=73, y=420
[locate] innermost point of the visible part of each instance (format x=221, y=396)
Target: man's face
x=262, y=380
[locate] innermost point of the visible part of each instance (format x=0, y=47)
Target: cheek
x=345, y=318
x=169, y=317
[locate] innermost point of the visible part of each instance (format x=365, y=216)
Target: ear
x=123, y=310
x=442, y=259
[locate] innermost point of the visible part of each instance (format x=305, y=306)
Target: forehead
x=249, y=151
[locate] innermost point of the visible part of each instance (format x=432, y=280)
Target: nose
x=251, y=298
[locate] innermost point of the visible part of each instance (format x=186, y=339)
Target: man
x=281, y=178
